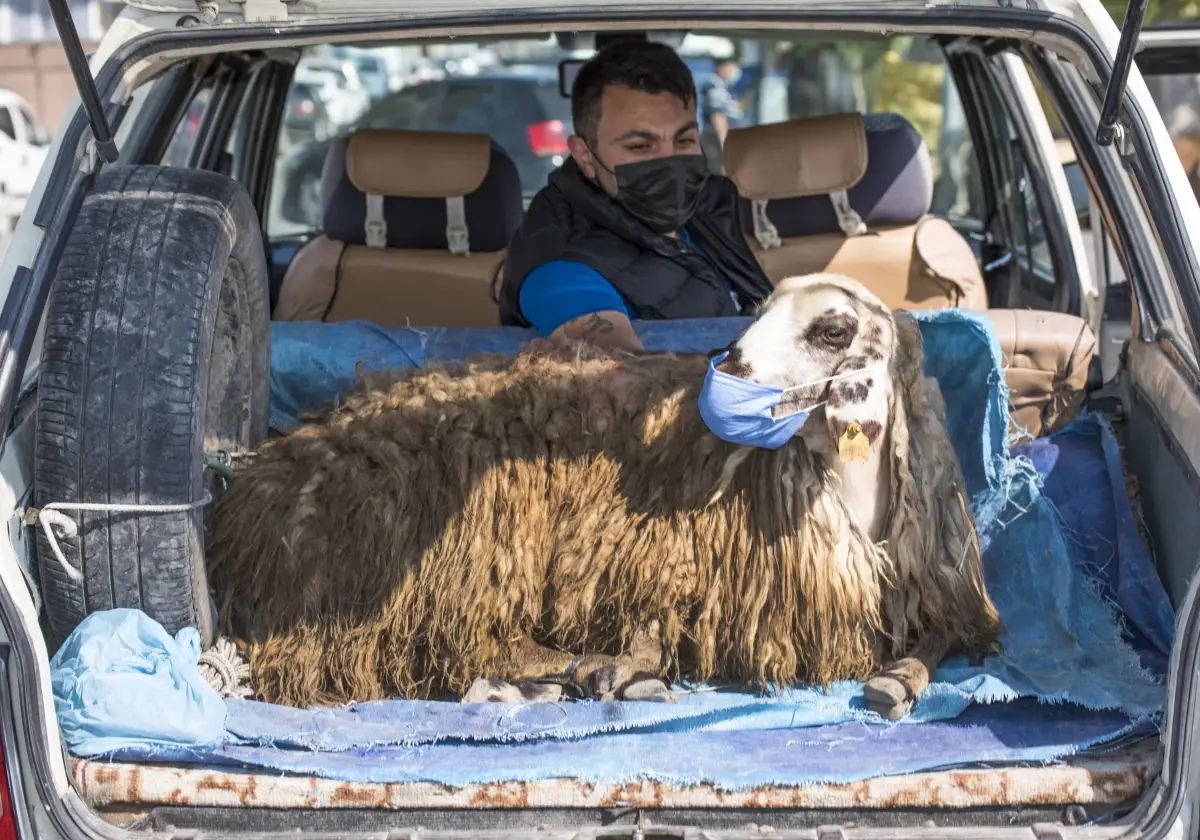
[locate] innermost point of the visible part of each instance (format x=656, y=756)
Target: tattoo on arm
x=601, y=329
x=595, y=326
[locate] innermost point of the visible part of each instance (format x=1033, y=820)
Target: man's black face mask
x=661, y=192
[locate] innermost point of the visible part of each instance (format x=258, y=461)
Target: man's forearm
x=601, y=329
x=721, y=126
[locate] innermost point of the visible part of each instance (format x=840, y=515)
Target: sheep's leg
x=631, y=676
x=490, y=690
x=530, y=662
x=605, y=677
x=634, y=675
x=892, y=691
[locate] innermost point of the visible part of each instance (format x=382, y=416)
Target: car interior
x=851, y=191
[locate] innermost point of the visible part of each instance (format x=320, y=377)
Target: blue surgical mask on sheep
x=743, y=412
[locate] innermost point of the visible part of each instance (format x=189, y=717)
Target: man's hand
x=598, y=329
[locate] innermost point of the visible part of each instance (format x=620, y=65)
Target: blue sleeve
x=717, y=100
x=563, y=290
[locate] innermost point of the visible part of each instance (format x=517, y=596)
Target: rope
x=49, y=516
x=224, y=669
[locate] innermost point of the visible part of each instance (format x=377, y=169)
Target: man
x=719, y=109
x=633, y=225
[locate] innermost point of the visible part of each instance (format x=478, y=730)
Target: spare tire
x=157, y=351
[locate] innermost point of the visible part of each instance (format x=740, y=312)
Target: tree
x=1157, y=11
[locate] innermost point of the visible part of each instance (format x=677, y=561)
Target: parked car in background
x=519, y=105
x=372, y=69
x=306, y=117
x=339, y=86
x=23, y=146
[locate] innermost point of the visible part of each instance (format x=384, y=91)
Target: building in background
x=32, y=62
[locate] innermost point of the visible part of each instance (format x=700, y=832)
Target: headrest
x=421, y=190
x=797, y=158
x=417, y=164
x=816, y=190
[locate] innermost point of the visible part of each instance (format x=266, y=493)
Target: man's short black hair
x=642, y=65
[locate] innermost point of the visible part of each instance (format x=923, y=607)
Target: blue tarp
x=120, y=678
x=1088, y=624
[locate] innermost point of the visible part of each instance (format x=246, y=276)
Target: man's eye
x=639, y=148
x=687, y=142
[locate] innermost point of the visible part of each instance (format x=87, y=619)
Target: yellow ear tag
x=853, y=445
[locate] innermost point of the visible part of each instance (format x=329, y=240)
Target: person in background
x=719, y=109
x=633, y=225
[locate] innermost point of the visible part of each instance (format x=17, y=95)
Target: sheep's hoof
x=486, y=690
x=648, y=689
x=541, y=691
x=618, y=681
x=888, y=697
x=604, y=682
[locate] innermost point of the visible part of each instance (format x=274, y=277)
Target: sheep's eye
x=834, y=334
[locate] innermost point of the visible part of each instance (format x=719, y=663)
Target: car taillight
x=548, y=138
x=8, y=819
x=303, y=108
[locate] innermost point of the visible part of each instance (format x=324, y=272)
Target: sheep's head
x=813, y=328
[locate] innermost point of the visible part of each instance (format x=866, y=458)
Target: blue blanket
x=1088, y=626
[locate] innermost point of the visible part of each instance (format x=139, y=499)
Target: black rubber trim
x=166, y=107
x=1001, y=228
x=1067, y=297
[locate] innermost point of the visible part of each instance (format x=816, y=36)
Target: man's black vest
x=660, y=277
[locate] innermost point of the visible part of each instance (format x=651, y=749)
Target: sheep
x=550, y=518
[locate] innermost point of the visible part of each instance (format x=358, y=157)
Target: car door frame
x=994, y=102
x=1075, y=289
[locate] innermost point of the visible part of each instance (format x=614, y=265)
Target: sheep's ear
x=908, y=352
x=930, y=509
x=906, y=366
x=926, y=476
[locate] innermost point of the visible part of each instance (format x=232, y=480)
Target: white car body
x=274, y=21
x=23, y=148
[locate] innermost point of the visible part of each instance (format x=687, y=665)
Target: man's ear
x=583, y=156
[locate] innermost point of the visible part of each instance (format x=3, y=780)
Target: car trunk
x=320, y=772
x=1083, y=783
